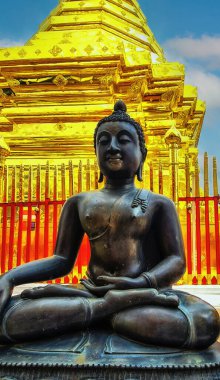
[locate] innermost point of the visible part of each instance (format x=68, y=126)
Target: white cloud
x=6, y=42
x=208, y=85
x=206, y=49
x=201, y=56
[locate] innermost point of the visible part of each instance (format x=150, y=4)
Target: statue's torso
x=117, y=232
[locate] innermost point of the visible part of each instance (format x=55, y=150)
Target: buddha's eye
x=103, y=140
x=124, y=140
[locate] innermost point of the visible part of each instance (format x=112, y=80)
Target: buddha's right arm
x=40, y=270
x=70, y=234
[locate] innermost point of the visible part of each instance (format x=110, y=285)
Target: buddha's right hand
x=6, y=289
x=55, y=291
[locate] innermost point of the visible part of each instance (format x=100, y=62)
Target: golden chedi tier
x=85, y=56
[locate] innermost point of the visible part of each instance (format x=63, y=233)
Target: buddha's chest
x=100, y=214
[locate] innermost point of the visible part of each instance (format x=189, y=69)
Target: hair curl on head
x=120, y=114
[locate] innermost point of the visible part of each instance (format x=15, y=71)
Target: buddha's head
x=120, y=145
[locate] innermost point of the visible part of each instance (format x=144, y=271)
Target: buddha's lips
x=114, y=158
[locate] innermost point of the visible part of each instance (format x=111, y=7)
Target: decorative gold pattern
x=120, y=47
x=60, y=81
x=60, y=127
x=89, y=49
x=135, y=89
x=73, y=50
x=22, y=53
x=7, y=54
x=37, y=52
x=55, y=51
x=65, y=41
x=67, y=35
x=13, y=83
x=107, y=79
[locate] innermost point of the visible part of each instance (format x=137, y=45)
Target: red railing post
x=19, y=242
x=11, y=237
x=207, y=233
x=37, y=233
x=198, y=237
x=54, y=224
x=4, y=236
x=46, y=227
x=217, y=240
x=189, y=238
x=28, y=242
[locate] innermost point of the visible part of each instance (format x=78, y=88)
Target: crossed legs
x=142, y=315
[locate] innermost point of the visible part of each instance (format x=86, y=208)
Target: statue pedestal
x=101, y=354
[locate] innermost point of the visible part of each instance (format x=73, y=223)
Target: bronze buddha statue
x=136, y=255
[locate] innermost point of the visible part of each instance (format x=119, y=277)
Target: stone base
x=107, y=374
x=101, y=354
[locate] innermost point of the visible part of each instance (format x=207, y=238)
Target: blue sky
x=188, y=30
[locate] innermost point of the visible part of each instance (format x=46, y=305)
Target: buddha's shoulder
x=158, y=199
x=80, y=197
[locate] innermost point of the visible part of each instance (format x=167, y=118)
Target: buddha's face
x=118, y=150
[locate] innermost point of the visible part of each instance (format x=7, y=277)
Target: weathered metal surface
x=102, y=348
x=102, y=354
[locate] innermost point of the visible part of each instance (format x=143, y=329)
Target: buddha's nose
x=114, y=147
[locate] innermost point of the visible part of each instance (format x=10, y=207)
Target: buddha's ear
x=101, y=177
x=140, y=172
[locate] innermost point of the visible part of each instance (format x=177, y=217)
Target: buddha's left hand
x=110, y=283
x=124, y=282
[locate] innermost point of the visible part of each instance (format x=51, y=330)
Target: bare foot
x=134, y=297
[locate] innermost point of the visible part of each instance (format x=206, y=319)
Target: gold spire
x=86, y=55
x=92, y=28
x=122, y=21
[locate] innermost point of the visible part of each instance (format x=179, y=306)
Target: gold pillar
x=4, y=153
x=173, y=140
x=206, y=175
x=47, y=181
x=160, y=178
x=187, y=174
x=197, y=185
x=96, y=176
x=88, y=175
x=215, y=177
x=80, y=177
x=71, y=180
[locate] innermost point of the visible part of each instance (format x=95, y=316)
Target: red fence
x=199, y=218
x=28, y=232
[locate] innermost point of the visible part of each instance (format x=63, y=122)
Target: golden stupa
x=85, y=56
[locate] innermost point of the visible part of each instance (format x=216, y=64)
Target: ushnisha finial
x=120, y=106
